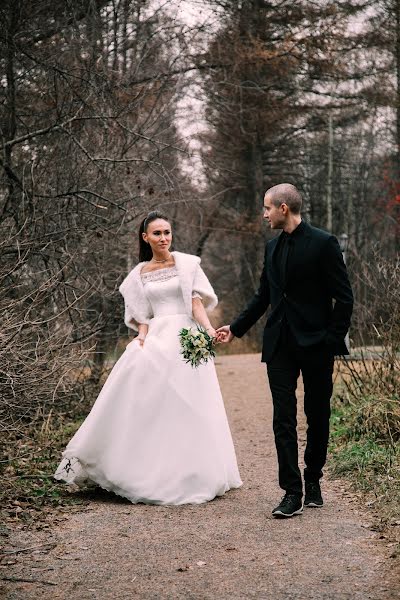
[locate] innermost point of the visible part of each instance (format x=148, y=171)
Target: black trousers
x=316, y=366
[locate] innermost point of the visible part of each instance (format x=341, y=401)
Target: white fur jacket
x=191, y=277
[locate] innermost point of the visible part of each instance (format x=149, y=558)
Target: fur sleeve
x=137, y=307
x=203, y=288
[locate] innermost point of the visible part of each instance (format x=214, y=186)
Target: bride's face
x=159, y=235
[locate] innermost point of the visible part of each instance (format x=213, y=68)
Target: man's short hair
x=285, y=193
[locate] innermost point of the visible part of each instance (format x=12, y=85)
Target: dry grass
x=365, y=437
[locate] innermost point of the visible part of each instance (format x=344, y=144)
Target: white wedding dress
x=158, y=431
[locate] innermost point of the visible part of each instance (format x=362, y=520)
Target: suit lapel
x=273, y=267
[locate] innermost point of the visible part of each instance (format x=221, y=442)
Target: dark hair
x=145, y=252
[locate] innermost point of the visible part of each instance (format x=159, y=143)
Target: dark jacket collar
x=300, y=229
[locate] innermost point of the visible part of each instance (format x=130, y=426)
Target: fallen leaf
x=185, y=568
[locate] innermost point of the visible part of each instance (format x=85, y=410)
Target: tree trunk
x=10, y=127
x=330, y=176
x=125, y=18
x=397, y=25
x=115, y=36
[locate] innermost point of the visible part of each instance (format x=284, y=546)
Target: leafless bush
x=371, y=381
x=88, y=145
x=43, y=347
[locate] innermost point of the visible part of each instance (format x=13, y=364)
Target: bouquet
x=197, y=345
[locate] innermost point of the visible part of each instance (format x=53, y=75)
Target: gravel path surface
x=228, y=548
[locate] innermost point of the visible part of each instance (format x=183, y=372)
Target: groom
x=304, y=281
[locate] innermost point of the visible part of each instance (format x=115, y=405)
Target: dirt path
x=229, y=548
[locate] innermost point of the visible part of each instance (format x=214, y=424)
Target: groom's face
x=275, y=215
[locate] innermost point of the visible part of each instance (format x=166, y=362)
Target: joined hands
x=224, y=334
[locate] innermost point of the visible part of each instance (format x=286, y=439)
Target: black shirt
x=284, y=254
x=285, y=249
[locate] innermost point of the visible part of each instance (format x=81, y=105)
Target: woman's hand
x=140, y=339
x=200, y=316
x=211, y=332
x=141, y=336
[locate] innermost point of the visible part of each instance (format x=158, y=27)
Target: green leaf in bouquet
x=197, y=346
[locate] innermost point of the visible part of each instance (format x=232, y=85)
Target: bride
x=158, y=431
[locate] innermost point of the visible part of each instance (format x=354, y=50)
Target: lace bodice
x=159, y=275
x=163, y=291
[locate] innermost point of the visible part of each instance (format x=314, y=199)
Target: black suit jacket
x=316, y=296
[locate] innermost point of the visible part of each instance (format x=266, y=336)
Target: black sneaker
x=313, y=497
x=290, y=505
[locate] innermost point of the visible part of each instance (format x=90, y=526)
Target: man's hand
x=224, y=334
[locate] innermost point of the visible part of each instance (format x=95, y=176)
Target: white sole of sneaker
x=281, y=515
x=313, y=505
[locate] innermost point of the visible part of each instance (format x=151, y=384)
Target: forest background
x=112, y=108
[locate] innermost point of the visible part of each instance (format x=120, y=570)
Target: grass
x=369, y=458
x=29, y=495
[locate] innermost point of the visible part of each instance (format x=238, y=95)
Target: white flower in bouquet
x=196, y=345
